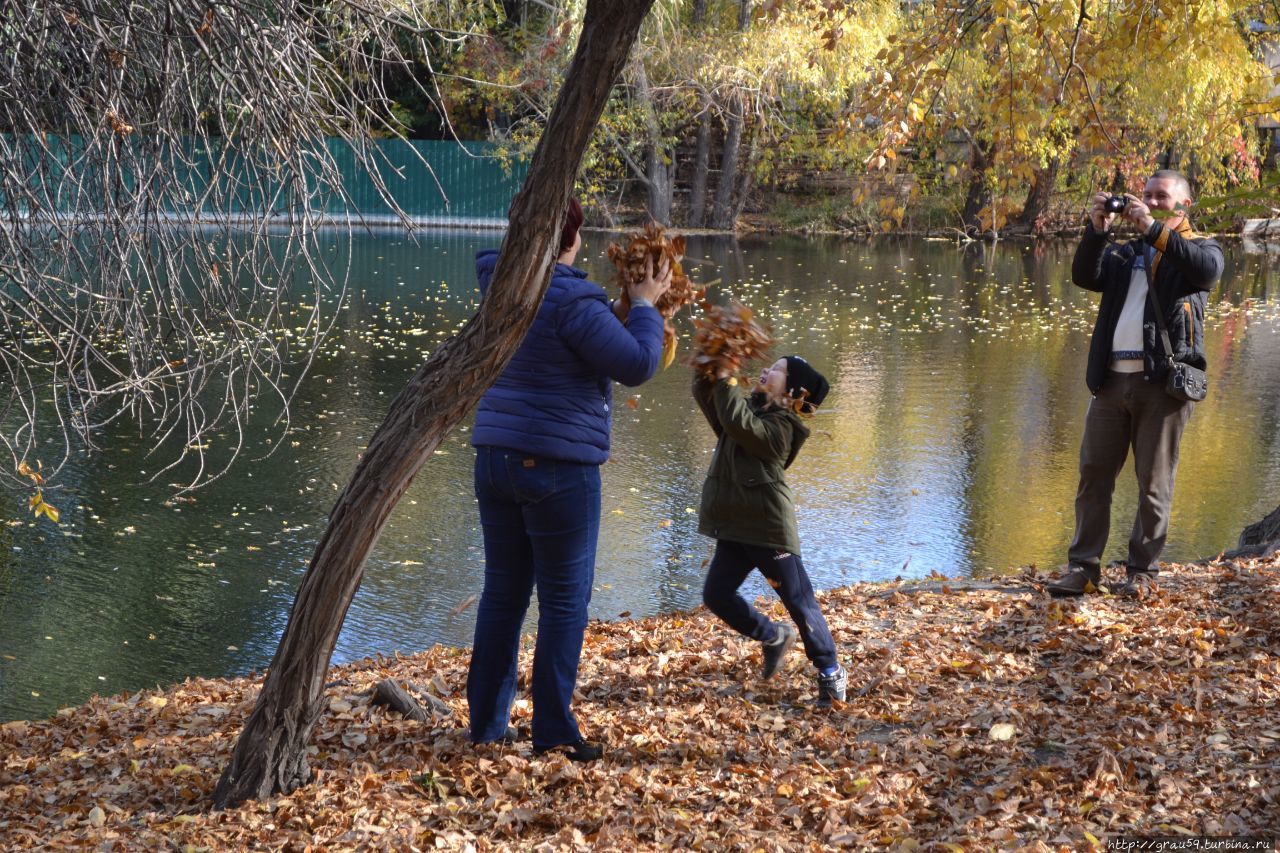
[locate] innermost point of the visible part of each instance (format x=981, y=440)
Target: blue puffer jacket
x=554, y=399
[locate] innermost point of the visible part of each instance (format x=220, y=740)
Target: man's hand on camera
x=1098, y=214
x=1138, y=213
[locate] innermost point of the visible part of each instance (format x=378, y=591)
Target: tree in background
x=718, y=99
x=1030, y=87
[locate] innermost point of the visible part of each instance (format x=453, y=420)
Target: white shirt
x=1128, y=334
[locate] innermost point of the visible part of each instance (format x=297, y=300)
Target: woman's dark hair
x=572, y=222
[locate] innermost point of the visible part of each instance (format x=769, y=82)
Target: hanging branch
x=149, y=151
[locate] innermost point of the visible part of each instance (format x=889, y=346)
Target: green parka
x=745, y=497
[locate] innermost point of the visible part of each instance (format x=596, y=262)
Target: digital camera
x=1116, y=204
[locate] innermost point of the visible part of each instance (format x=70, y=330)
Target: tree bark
x=746, y=177
x=1264, y=534
x=978, y=195
x=722, y=212
x=390, y=693
x=660, y=164
x=697, y=216
x=270, y=755
x=1039, y=196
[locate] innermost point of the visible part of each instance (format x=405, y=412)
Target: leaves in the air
x=656, y=247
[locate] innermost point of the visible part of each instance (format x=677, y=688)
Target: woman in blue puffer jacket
x=541, y=434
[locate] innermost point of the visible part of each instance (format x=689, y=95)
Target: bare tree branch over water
x=149, y=150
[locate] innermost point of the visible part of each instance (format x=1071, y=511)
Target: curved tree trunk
x=270, y=755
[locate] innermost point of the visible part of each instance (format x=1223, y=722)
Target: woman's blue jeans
x=541, y=519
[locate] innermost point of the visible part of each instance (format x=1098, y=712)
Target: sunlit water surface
x=948, y=444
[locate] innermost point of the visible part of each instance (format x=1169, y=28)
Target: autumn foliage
x=728, y=336
x=655, y=246
x=980, y=716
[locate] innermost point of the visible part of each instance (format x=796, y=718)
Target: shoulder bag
x=1182, y=381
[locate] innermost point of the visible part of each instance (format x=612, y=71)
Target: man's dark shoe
x=1137, y=583
x=1077, y=581
x=832, y=687
x=580, y=750
x=777, y=650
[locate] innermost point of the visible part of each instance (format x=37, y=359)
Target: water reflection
x=948, y=444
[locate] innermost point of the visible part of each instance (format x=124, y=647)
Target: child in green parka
x=748, y=509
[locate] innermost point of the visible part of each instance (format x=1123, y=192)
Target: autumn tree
x=1028, y=87
x=717, y=99
x=271, y=754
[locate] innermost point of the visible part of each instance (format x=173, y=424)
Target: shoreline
x=981, y=713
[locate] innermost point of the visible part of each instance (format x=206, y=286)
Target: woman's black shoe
x=579, y=750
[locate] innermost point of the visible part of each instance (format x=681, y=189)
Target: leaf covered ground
x=980, y=716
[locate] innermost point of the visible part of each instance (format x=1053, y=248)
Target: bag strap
x=1155, y=304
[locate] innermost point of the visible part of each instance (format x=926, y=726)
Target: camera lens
x=1116, y=204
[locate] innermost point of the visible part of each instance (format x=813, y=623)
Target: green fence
x=432, y=182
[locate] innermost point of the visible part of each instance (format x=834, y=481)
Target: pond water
x=948, y=444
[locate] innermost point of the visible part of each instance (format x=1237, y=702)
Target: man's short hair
x=1174, y=175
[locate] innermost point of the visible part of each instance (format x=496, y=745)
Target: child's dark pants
x=732, y=562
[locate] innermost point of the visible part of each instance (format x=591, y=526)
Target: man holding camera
x=1128, y=366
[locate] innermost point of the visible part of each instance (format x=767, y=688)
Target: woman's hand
x=653, y=286
x=622, y=306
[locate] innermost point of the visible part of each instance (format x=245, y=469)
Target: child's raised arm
x=702, y=388
x=765, y=438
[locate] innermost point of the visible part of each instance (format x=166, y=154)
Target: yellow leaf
x=1092, y=839
x=668, y=353
x=184, y=768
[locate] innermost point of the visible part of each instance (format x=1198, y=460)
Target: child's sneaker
x=831, y=687
x=777, y=650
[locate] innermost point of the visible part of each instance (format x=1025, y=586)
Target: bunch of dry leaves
x=656, y=247
x=728, y=337
x=980, y=716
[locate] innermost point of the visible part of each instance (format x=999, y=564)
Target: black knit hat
x=802, y=377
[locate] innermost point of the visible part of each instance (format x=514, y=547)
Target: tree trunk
x=746, y=178
x=722, y=212
x=1039, y=196
x=659, y=165
x=978, y=196
x=699, y=11
x=270, y=755
x=1264, y=534
x=697, y=216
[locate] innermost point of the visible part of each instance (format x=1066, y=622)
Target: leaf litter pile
x=980, y=715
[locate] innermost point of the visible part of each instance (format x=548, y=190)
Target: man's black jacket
x=1186, y=269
